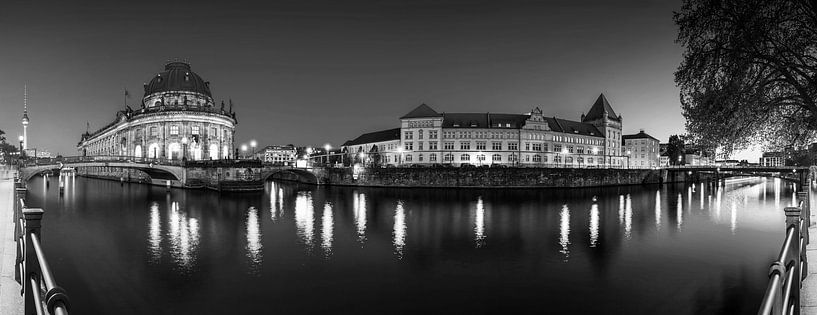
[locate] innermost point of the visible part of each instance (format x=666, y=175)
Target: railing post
x=33, y=219
x=19, y=194
x=805, y=197
x=793, y=219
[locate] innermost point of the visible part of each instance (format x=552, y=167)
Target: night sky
x=316, y=72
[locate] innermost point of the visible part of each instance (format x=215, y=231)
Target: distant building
x=429, y=137
x=642, y=150
x=379, y=147
x=277, y=154
x=772, y=159
x=663, y=160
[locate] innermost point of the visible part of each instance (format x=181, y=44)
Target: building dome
x=177, y=77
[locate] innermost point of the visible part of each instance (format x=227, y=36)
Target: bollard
x=33, y=219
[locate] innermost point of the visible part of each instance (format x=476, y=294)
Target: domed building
x=178, y=119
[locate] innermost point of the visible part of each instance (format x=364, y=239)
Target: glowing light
x=184, y=237
x=594, y=225
x=327, y=147
x=658, y=210
x=479, y=224
x=399, y=233
x=155, y=233
x=628, y=218
x=254, y=239
x=564, y=231
x=359, y=206
x=327, y=229
x=304, y=218
x=679, y=212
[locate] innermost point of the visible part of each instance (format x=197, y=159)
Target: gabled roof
x=599, y=107
x=572, y=127
x=639, y=135
x=377, y=136
x=483, y=120
x=421, y=111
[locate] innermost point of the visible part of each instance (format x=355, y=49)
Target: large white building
x=429, y=137
x=641, y=150
x=177, y=119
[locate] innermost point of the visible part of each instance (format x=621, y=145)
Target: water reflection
x=273, y=203
x=658, y=210
x=594, y=225
x=183, y=233
x=628, y=217
x=327, y=228
x=304, y=218
x=154, y=234
x=359, y=208
x=734, y=222
x=680, y=211
x=399, y=234
x=564, y=231
x=254, y=239
x=479, y=224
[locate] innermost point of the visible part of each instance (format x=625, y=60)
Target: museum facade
x=178, y=119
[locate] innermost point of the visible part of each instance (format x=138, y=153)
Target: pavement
x=808, y=293
x=11, y=302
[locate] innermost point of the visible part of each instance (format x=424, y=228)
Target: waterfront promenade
x=11, y=302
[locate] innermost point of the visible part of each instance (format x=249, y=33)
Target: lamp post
x=244, y=150
x=184, y=148
x=21, y=146
x=628, y=159
x=327, y=147
x=564, y=159
x=400, y=157
x=253, y=144
x=362, y=156
x=679, y=160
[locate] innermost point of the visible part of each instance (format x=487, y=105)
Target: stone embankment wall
x=492, y=177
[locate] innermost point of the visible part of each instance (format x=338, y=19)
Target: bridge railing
x=788, y=271
x=103, y=158
x=40, y=291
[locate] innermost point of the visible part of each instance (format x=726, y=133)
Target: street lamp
x=564, y=159
x=679, y=160
x=628, y=159
x=21, y=145
x=327, y=147
x=362, y=156
x=184, y=148
x=244, y=150
x=253, y=144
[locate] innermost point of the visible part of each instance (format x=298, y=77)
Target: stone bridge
x=800, y=174
x=314, y=175
x=154, y=170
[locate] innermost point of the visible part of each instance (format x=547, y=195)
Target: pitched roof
x=640, y=135
x=572, y=127
x=377, y=136
x=421, y=111
x=599, y=107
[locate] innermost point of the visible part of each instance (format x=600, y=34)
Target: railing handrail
x=787, y=272
x=32, y=270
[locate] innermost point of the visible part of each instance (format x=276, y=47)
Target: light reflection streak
x=155, y=233
x=658, y=210
x=718, y=195
x=703, y=192
x=327, y=229
x=564, y=231
x=680, y=211
x=184, y=237
x=621, y=209
x=777, y=192
x=399, y=229
x=689, y=199
x=479, y=224
x=594, y=225
x=359, y=205
x=254, y=239
x=734, y=220
x=628, y=217
x=305, y=218
x=273, y=204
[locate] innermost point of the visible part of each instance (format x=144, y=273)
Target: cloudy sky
x=316, y=72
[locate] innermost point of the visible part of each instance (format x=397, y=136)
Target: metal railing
x=40, y=291
x=788, y=271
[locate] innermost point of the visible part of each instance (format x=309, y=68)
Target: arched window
x=496, y=158
x=137, y=151
x=432, y=157
x=213, y=152
x=448, y=157
x=481, y=157
x=537, y=158
x=174, y=151
x=465, y=157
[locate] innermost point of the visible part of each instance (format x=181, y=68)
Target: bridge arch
x=290, y=174
x=166, y=172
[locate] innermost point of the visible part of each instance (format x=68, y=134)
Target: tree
x=749, y=72
x=676, y=148
x=2, y=136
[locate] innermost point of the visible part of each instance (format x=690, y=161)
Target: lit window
x=174, y=130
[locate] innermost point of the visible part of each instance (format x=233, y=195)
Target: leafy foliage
x=676, y=147
x=749, y=72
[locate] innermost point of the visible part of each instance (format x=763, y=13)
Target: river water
x=673, y=249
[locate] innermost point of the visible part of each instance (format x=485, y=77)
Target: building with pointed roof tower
x=641, y=150
x=177, y=119
x=427, y=136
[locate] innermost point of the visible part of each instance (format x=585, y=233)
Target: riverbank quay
x=11, y=302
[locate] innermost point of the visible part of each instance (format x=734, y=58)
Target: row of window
x=497, y=158
x=409, y=135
